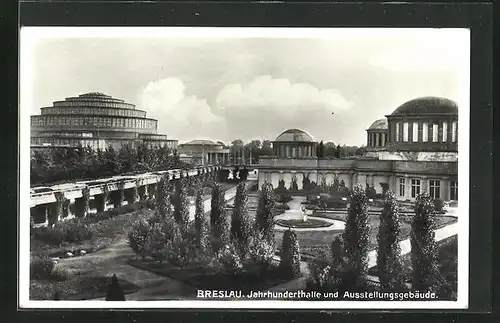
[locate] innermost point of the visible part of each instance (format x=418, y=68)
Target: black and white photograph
x=239, y=168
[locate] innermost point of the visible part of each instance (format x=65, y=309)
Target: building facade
x=401, y=152
x=96, y=120
x=203, y=152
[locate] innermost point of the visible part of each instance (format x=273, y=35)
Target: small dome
x=380, y=124
x=201, y=143
x=295, y=135
x=94, y=94
x=427, y=105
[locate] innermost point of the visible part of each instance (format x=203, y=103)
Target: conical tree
x=218, y=222
x=264, y=219
x=240, y=222
x=424, y=250
x=163, y=204
x=290, y=255
x=199, y=220
x=356, y=237
x=181, y=209
x=389, y=261
x=115, y=292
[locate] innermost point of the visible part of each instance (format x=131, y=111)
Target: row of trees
x=231, y=243
x=347, y=268
x=70, y=163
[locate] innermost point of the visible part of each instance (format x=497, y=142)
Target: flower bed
x=299, y=223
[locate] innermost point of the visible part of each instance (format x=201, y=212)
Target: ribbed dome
x=427, y=105
x=380, y=124
x=201, y=143
x=295, y=135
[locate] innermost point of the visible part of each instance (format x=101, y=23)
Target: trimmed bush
x=223, y=175
x=181, y=210
x=290, y=255
x=243, y=174
x=75, y=231
x=218, y=222
x=115, y=292
x=424, y=250
x=320, y=273
x=260, y=252
x=264, y=219
x=200, y=224
x=439, y=205
x=240, y=222
x=389, y=261
x=356, y=237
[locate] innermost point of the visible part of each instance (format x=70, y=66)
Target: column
x=368, y=139
x=445, y=189
x=354, y=180
x=383, y=139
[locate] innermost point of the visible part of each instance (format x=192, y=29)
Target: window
x=445, y=131
x=415, y=187
x=397, y=132
x=434, y=189
x=405, y=132
x=435, y=132
x=454, y=131
x=415, y=132
x=454, y=190
x=402, y=184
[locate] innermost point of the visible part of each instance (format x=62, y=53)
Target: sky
x=225, y=84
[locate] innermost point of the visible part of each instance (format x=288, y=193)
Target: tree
x=264, y=219
x=320, y=151
x=163, y=206
x=56, y=296
x=138, y=237
x=115, y=292
x=199, y=220
x=424, y=250
x=389, y=261
x=340, y=152
x=356, y=238
x=240, y=222
x=266, y=148
x=330, y=149
x=181, y=209
x=290, y=255
x=218, y=221
x=110, y=161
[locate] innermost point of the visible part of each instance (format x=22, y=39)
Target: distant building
x=96, y=120
x=414, y=150
x=203, y=152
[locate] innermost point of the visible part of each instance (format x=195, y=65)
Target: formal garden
x=235, y=244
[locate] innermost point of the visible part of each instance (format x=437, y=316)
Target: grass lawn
x=314, y=242
x=77, y=288
x=105, y=233
x=310, y=223
x=211, y=279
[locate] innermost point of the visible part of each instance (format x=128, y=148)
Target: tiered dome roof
x=294, y=135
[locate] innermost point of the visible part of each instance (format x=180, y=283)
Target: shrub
x=320, y=272
x=200, y=224
x=243, y=174
x=41, y=267
x=439, y=206
x=181, y=209
x=290, y=255
x=179, y=248
x=224, y=175
x=60, y=274
x=53, y=236
x=260, y=251
x=138, y=236
x=155, y=243
x=228, y=257
x=75, y=231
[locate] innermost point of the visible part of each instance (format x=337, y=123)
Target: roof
x=380, y=124
x=201, y=143
x=294, y=135
x=427, y=105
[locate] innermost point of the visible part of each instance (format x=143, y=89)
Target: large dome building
x=294, y=143
x=412, y=150
x=96, y=120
